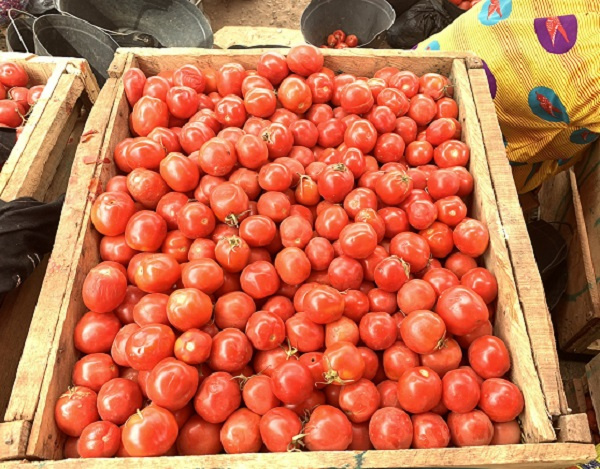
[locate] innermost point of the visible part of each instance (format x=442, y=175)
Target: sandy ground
x=276, y=13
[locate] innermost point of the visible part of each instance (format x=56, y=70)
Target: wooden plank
x=257, y=36
x=558, y=455
x=46, y=441
x=535, y=312
x=574, y=428
x=575, y=393
x=592, y=374
x=32, y=122
x=38, y=160
x=509, y=323
x=28, y=381
x=13, y=439
x=361, y=62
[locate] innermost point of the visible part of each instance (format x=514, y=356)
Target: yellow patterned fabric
x=542, y=59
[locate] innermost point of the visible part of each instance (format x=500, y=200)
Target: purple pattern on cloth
x=491, y=79
x=557, y=34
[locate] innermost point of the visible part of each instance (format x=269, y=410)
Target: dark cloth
x=415, y=22
x=27, y=232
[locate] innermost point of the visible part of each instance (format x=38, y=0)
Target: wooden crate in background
x=573, y=199
x=552, y=437
x=39, y=166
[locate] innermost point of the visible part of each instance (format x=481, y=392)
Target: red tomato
x=429, y=431
x=231, y=351
x=260, y=279
x=390, y=429
x=378, y=330
x=193, y=347
x=482, y=282
x=241, y=422
x=75, y=410
x=273, y=66
x=451, y=153
x=265, y=330
x=93, y=370
x=150, y=432
x=506, y=433
x=292, y=382
x=278, y=427
x=179, y=172
x=95, y=332
x=461, y=391
x=149, y=345
x=447, y=358
x=157, y=273
x=194, y=135
x=190, y=76
x=204, y=274
x=419, y=390
x=305, y=60
x=328, y=429
x=104, y=288
x=359, y=400
x=343, y=363
x=412, y=248
x=118, y=399
x=466, y=340
x=397, y=359
x=258, y=394
x=13, y=74
x=489, y=357
x=294, y=94
x=471, y=237
x=470, y=429
x=459, y=264
x=172, y=384
x=423, y=331
x=416, y=294
x=99, y=440
x=462, y=310
x=405, y=81
x=111, y=211
x=149, y=113
x=134, y=81
x=218, y=396
x=233, y=310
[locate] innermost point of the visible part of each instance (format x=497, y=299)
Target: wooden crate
x=522, y=319
x=573, y=199
x=39, y=166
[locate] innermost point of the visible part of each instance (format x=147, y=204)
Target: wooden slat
x=559, y=456
x=28, y=381
x=528, y=281
x=13, y=439
x=509, y=323
x=574, y=428
x=575, y=395
x=592, y=374
x=46, y=441
x=361, y=62
x=38, y=161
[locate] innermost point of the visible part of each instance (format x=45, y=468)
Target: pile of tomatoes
x=465, y=4
x=340, y=40
x=288, y=264
x=15, y=98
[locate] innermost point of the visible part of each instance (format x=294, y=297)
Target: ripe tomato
x=470, y=429
x=233, y=310
x=99, y=440
x=204, y=274
x=231, y=351
x=111, y=211
x=419, y=390
x=145, y=231
x=328, y=429
x=278, y=427
x=260, y=102
x=273, y=66
x=393, y=187
x=104, y=288
x=265, y=330
x=378, y=331
x=118, y=399
x=482, y=282
x=471, y=237
x=292, y=382
x=429, y=431
x=330, y=222
x=189, y=308
x=75, y=410
x=157, y=273
x=232, y=253
x=150, y=432
x=260, y=279
x=489, y=357
x=323, y=304
x=95, y=332
x=447, y=358
x=451, y=153
x=390, y=428
x=405, y=81
x=305, y=60
x=258, y=394
x=335, y=182
x=294, y=94
x=149, y=345
x=461, y=391
x=358, y=240
x=506, y=433
x=343, y=363
x=359, y=400
x=462, y=310
x=279, y=140
x=423, y=331
x=440, y=279
x=241, y=422
x=356, y=98
x=190, y=76
x=93, y=370
x=416, y=294
x=194, y=135
x=321, y=87
x=412, y=248
x=304, y=334
x=149, y=113
x=422, y=110
x=397, y=359
x=345, y=273
x=389, y=148
x=218, y=396
x=274, y=205
x=193, y=347
x=362, y=135
x=459, y=264
x=134, y=81
x=172, y=384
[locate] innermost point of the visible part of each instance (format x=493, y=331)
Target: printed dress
x=542, y=60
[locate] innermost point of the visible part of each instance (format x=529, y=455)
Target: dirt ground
x=276, y=13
